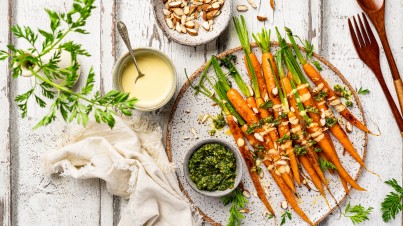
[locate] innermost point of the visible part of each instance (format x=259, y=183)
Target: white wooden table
x=28, y=198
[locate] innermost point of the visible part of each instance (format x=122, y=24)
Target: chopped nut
x=240, y=142
x=262, y=18
x=244, y=210
x=275, y=91
x=242, y=8
x=349, y=127
x=272, y=4
x=191, y=31
x=195, y=135
x=205, y=117
x=258, y=137
x=187, y=111
x=246, y=193
x=284, y=204
x=252, y=3
x=206, y=26
x=175, y=4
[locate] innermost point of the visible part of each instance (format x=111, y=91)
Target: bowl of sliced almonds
x=193, y=22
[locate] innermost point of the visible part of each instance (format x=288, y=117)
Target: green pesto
x=212, y=167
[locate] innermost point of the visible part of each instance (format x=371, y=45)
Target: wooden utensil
x=368, y=50
x=375, y=9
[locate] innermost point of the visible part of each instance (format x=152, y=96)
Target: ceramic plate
x=220, y=24
x=188, y=108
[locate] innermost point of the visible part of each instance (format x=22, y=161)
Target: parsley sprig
x=53, y=86
x=284, y=217
x=357, y=213
x=238, y=201
x=393, y=203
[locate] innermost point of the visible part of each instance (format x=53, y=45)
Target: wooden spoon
x=375, y=9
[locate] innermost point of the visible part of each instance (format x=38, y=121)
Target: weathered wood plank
x=384, y=152
x=107, y=57
x=38, y=200
x=5, y=154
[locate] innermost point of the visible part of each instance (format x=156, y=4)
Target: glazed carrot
x=312, y=174
x=243, y=148
x=258, y=71
x=283, y=127
x=269, y=157
x=345, y=186
x=251, y=62
x=241, y=106
x=289, y=196
x=317, y=78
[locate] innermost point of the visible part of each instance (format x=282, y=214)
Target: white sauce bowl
x=126, y=59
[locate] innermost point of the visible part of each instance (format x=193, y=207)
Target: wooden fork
x=368, y=50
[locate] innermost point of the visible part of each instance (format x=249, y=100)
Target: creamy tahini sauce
x=155, y=86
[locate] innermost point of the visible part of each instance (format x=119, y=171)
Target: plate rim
x=172, y=38
x=197, y=73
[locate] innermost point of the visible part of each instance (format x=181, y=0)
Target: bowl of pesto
x=213, y=168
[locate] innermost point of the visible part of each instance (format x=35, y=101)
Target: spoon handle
x=125, y=36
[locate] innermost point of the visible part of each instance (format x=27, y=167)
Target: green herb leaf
x=363, y=91
x=267, y=105
x=357, y=213
x=284, y=217
x=238, y=202
x=393, y=202
x=71, y=105
x=330, y=122
x=317, y=65
x=283, y=139
x=325, y=165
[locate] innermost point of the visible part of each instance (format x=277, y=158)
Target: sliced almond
x=192, y=9
x=261, y=18
x=191, y=31
x=178, y=27
x=210, y=15
x=183, y=19
x=205, y=7
x=190, y=24
x=186, y=10
x=252, y=3
x=178, y=11
x=240, y=142
x=183, y=28
x=349, y=127
x=205, y=25
x=246, y=193
x=175, y=4
x=167, y=12
x=169, y=23
x=242, y=8
x=216, y=5
x=197, y=25
x=284, y=204
x=206, y=1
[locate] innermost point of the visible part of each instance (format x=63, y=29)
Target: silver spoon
x=125, y=36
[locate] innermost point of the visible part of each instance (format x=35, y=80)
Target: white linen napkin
x=133, y=163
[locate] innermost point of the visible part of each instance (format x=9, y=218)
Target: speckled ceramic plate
x=212, y=209
x=220, y=24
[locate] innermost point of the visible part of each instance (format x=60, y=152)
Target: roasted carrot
x=241, y=106
x=289, y=196
x=251, y=62
x=238, y=138
x=312, y=174
x=317, y=78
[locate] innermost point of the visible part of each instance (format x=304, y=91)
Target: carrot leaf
x=317, y=65
x=393, y=202
x=357, y=213
x=284, y=217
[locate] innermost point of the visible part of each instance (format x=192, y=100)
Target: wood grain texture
x=5, y=152
x=61, y=201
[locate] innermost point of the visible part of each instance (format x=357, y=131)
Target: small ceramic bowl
x=126, y=58
x=238, y=172
x=221, y=22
